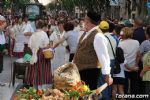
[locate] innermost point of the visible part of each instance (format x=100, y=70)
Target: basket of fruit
x=80, y=91
x=66, y=76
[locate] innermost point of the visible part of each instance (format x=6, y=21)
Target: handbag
x=116, y=69
x=48, y=54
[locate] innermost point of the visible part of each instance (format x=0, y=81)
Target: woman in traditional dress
x=59, y=55
x=39, y=71
x=18, y=37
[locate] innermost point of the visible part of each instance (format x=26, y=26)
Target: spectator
x=18, y=37
x=145, y=73
x=111, y=46
x=145, y=45
x=59, y=55
x=138, y=33
x=28, y=30
x=130, y=48
x=2, y=43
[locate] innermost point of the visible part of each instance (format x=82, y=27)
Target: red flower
x=80, y=90
x=73, y=89
x=30, y=96
x=23, y=91
x=39, y=92
x=82, y=95
x=79, y=83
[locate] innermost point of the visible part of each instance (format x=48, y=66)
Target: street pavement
x=5, y=77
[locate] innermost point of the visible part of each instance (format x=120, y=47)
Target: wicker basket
x=66, y=76
x=48, y=54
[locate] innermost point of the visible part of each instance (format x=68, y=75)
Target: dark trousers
x=71, y=57
x=147, y=87
x=1, y=61
x=2, y=47
x=134, y=85
x=90, y=77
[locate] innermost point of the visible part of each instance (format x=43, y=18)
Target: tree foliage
x=94, y=5
x=17, y=3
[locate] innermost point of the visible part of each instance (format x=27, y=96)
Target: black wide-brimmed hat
x=94, y=17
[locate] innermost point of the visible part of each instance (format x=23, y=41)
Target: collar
x=106, y=33
x=39, y=30
x=94, y=28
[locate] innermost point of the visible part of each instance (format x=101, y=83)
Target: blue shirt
x=116, y=38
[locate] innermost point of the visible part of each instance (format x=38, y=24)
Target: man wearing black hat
x=91, y=50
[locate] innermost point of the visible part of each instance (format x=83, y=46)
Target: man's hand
x=108, y=79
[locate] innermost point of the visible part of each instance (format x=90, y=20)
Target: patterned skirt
x=18, y=54
x=40, y=73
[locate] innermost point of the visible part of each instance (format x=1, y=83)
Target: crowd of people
x=90, y=43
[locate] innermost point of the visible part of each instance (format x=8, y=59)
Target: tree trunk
x=143, y=12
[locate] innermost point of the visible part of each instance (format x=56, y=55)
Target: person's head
x=137, y=22
x=20, y=20
x=82, y=23
x=126, y=33
x=52, y=21
x=104, y=26
x=25, y=18
x=68, y=26
x=117, y=29
x=148, y=32
x=60, y=26
x=16, y=19
x=46, y=20
x=75, y=22
x=91, y=20
x=40, y=24
x=115, y=21
x=2, y=22
x=111, y=27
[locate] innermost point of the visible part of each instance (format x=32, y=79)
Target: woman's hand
x=48, y=46
x=135, y=69
x=141, y=74
x=145, y=69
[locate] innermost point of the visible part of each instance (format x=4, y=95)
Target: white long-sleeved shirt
x=100, y=46
x=113, y=43
x=27, y=28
